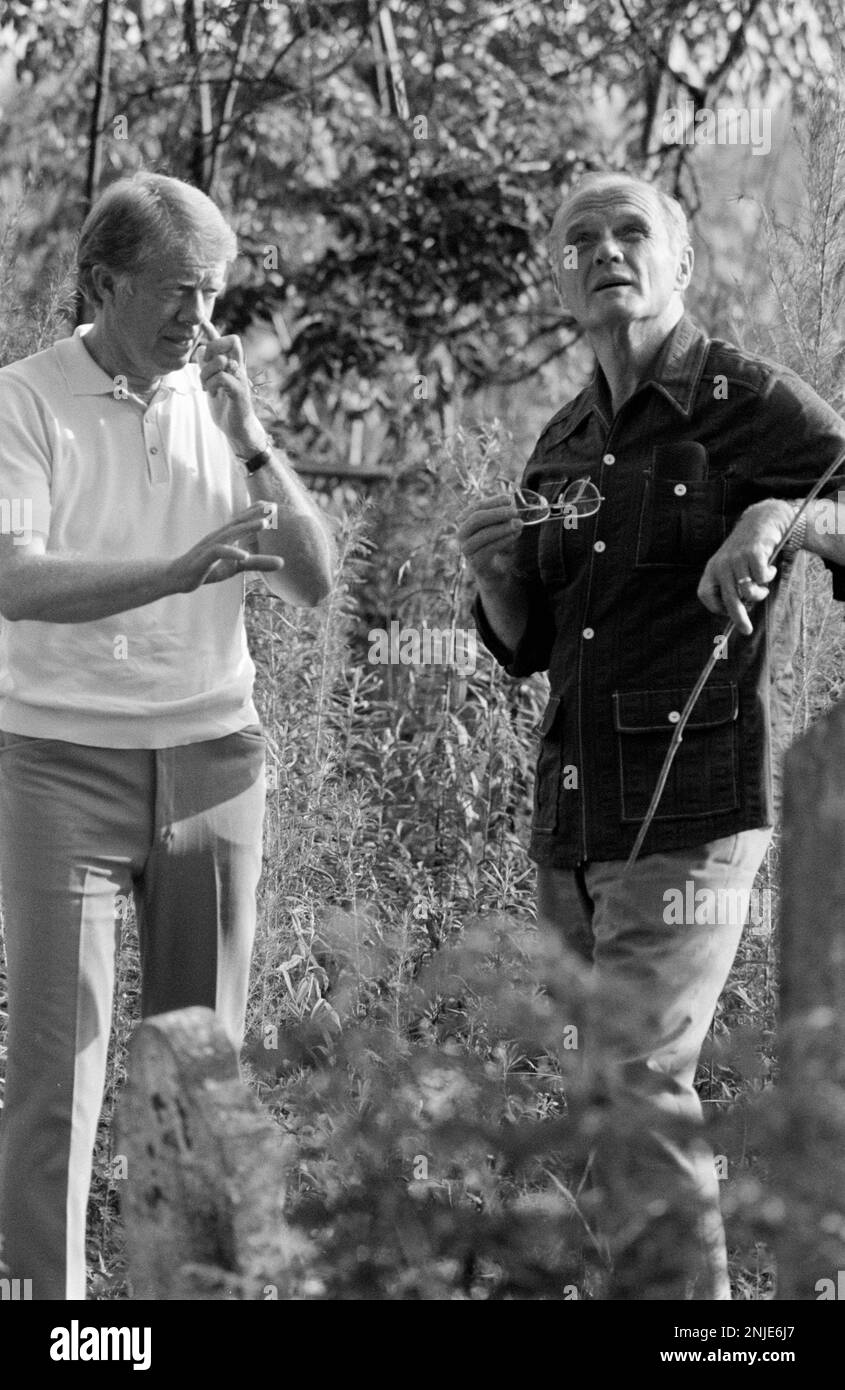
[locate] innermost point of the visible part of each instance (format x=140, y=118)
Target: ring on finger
x=746, y=580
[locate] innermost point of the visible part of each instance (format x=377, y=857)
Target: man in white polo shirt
x=136, y=487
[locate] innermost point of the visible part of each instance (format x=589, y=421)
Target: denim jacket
x=614, y=614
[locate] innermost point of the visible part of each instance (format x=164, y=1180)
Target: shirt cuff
x=531, y=655
x=837, y=575
x=497, y=648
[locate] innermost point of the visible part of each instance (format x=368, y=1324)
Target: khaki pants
x=181, y=829
x=661, y=942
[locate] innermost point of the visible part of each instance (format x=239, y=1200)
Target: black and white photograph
x=422, y=651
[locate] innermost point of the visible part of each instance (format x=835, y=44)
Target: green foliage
x=29, y=321
x=398, y=236
x=398, y=789
x=434, y=1161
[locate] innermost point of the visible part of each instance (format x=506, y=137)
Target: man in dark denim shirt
x=616, y=618
x=696, y=450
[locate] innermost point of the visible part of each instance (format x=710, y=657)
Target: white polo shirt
x=107, y=478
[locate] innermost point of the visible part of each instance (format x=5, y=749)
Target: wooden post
x=205, y=1168
x=809, y=1155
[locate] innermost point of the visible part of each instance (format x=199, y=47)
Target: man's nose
x=192, y=307
x=607, y=249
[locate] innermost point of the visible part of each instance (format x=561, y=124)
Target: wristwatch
x=258, y=460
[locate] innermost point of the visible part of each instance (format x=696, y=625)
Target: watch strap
x=252, y=465
x=799, y=535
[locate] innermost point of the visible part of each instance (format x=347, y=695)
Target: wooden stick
x=718, y=648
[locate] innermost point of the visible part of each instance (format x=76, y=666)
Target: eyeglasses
x=578, y=500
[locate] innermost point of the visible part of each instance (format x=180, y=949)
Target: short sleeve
x=26, y=456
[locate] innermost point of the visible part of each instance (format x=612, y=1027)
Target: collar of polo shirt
x=85, y=377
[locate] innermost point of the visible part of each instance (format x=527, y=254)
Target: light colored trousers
x=181, y=829
x=655, y=981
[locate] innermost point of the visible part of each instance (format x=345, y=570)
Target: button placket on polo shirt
x=158, y=466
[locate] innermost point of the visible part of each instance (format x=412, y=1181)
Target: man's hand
x=223, y=375
x=487, y=534
x=739, y=574
x=222, y=553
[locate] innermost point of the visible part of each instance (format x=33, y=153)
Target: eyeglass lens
x=580, y=498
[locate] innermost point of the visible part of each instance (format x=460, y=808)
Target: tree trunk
x=101, y=87
x=221, y=135
x=95, y=129
x=201, y=149
x=205, y=1168
x=809, y=1158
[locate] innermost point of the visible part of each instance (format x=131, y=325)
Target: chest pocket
x=704, y=779
x=681, y=523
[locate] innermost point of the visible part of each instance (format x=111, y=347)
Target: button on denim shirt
x=614, y=614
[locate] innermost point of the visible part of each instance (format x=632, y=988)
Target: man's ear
x=103, y=283
x=557, y=283
x=555, y=274
x=685, y=268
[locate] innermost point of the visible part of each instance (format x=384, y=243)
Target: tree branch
x=101, y=85
x=229, y=97
x=203, y=132
x=735, y=47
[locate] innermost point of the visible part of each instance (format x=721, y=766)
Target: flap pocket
x=549, y=716
x=658, y=711
x=704, y=778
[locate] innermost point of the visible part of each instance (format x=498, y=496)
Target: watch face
x=258, y=461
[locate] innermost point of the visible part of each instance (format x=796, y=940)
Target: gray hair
x=674, y=217
x=137, y=216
